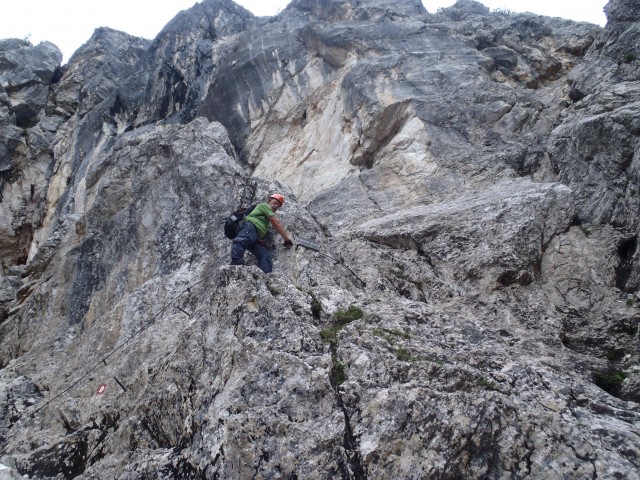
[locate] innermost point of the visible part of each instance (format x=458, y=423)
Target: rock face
x=472, y=180
x=26, y=136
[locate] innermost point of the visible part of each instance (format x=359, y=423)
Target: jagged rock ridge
x=472, y=179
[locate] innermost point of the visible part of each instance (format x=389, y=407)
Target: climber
x=253, y=230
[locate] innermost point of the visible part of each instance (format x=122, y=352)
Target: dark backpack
x=233, y=221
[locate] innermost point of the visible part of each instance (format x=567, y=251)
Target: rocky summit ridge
x=471, y=179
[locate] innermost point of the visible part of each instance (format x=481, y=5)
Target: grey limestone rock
x=622, y=11
x=26, y=72
x=604, y=88
x=495, y=237
x=470, y=180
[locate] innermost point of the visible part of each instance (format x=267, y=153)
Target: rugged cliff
x=472, y=179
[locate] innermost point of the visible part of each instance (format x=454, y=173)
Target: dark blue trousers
x=247, y=239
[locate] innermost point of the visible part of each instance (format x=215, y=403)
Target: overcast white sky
x=70, y=23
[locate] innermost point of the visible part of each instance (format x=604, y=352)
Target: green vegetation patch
x=337, y=371
x=404, y=355
x=395, y=333
x=330, y=335
x=610, y=382
x=586, y=230
x=390, y=335
x=341, y=319
x=487, y=384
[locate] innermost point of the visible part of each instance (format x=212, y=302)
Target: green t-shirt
x=259, y=216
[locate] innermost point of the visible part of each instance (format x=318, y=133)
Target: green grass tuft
x=487, y=384
x=330, y=335
x=338, y=372
x=611, y=381
x=341, y=319
x=404, y=355
x=344, y=317
x=390, y=335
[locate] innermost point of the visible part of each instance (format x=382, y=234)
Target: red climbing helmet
x=278, y=197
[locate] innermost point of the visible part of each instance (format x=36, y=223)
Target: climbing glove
x=288, y=244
